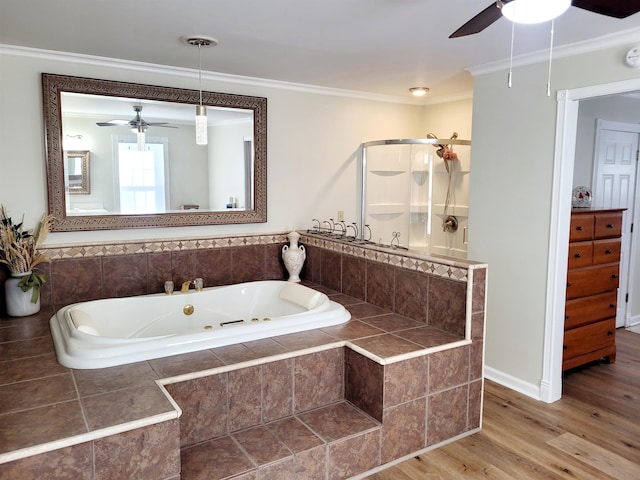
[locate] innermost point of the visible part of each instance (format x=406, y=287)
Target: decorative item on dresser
x=592, y=286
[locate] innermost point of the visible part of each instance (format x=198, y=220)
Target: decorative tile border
x=158, y=246
x=453, y=269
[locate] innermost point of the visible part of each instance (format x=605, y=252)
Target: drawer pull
x=579, y=228
x=609, y=225
x=566, y=317
x=608, y=252
x=614, y=276
x=610, y=333
x=578, y=255
x=568, y=284
x=564, y=347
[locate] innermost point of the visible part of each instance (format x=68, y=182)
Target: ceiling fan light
x=534, y=11
x=201, y=125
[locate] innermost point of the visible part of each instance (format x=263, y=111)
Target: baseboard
x=528, y=389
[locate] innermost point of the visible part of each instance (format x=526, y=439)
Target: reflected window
x=141, y=178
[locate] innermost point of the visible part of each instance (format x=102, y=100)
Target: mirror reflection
x=146, y=169
x=76, y=167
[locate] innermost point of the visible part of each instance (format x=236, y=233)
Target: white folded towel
x=301, y=295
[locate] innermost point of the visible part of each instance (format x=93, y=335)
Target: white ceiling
x=374, y=46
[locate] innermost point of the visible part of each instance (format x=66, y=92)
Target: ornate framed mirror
x=160, y=178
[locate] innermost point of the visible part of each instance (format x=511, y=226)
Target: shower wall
x=404, y=200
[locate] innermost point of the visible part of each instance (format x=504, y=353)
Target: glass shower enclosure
x=415, y=194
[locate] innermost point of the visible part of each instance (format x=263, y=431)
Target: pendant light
x=201, y=110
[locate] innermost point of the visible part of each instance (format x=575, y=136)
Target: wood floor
x=593, y=432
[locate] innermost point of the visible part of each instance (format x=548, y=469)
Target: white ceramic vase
x=18, y=302
x=294, y=256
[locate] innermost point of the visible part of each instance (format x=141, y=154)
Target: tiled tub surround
x=290, y=390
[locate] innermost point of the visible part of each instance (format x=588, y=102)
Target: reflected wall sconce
x=201, y=110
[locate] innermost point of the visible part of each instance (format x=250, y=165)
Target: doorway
x=565, y=150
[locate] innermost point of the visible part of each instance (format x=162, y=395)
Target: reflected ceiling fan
x=137, y=123
x=491, y=14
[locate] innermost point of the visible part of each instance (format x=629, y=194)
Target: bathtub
x=116, y=331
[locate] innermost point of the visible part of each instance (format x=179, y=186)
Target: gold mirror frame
x=53, y=85
x=83, y=185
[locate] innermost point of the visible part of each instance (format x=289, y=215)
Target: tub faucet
x=197, y=284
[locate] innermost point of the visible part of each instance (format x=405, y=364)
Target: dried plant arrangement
x=19, y=250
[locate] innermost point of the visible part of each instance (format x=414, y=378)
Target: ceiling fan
x=137, y=123
x=491, y=14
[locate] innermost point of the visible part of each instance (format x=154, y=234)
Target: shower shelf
x=388, y=173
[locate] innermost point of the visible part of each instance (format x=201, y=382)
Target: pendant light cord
x=550, y=58
x=513, y=29
x=200, y=71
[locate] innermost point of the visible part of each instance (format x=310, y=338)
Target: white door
x=614, y=186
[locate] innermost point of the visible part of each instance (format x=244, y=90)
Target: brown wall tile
x=331, y=270
x=380, y=285
x=411, y=294
x=247, y=263
x=158, y=271
x=245, y=398
x=403, y=431
x=277, y=390
x=213, y=266
x=448, y=368
x=354, y=277
x=70, y=463
x=475, y=404
x=364, y=380
x=76, y=280
x=124, y=275
x=204, y=408
x=447, y=414
x=274, y=268
x=405, y=381
x=148, y=452
x=319, y=379
x=447, y=305
x=354, y=455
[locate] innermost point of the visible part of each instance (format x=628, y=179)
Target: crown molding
x=617, y=39
x=191, y=73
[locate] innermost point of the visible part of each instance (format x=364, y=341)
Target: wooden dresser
x=592, y=286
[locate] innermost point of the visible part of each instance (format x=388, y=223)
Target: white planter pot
x=18, y=302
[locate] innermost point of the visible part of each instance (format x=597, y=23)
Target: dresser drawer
x=580, y=254
x=606, y=251
x=608, y=225
x=591, y=280
x=581, y=311
x=582, y=227
x=588, y=338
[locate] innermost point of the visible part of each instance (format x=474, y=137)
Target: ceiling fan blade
x=610, y=8
x=478, y=23
x=113, y=123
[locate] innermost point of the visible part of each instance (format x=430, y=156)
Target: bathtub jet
x=117, y=331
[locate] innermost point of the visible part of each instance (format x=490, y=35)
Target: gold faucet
x=197, y=284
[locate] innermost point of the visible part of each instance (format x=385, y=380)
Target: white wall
x=313, y=141
x=511, y=185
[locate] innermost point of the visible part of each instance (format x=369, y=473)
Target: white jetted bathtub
x=116, y=331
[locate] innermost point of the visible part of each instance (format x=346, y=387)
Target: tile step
x=304, y=446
